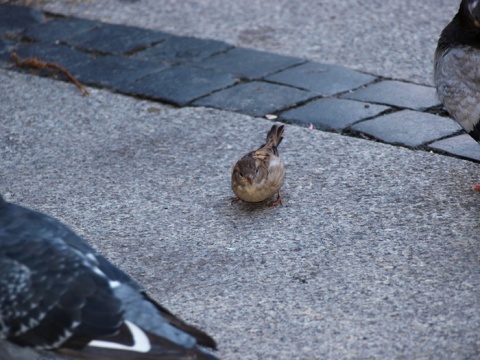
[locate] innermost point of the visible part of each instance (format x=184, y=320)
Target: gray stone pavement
x=374, y=253
x=385, y=38
x=192, y=71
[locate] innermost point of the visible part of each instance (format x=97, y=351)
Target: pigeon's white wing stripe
x=114, y=283
x=140, y=341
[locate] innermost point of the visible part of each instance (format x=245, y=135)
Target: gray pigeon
x=59, y=297
x=457, y=67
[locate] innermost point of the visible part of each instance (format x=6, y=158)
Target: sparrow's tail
x=275, y=136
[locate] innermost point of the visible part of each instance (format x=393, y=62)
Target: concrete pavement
x=373, y=255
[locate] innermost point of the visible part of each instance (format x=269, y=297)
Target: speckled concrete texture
x=386, y=38
x=374, y=254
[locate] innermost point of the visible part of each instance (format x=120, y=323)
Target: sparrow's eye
x=240, y=173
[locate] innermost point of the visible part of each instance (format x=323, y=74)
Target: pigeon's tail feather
x=202, y=338
x=475, y=133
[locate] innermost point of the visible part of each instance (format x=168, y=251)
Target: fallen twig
x=36, y=63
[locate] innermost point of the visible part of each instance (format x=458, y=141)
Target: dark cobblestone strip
x=187, y=71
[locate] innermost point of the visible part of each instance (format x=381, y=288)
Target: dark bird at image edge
x=457, y=68
x=61, y=300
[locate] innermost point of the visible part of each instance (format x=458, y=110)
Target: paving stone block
x=322, y=79
x=183, y=50
x=7, y=46
x=255, y=98
x=332, y=114
x=13, y=18
x=407, y=127
x=248, y=63
x=6, y=49
x=4, y=44
x=64, y=56
x=114, y=71
x=116, y=39
x=180, y=85
x=59, y=29
x=462, y=145
x=5, y=60
x=397, y=93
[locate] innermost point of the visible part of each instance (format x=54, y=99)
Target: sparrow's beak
x=249, y=179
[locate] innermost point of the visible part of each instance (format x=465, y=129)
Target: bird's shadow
x=253, y=207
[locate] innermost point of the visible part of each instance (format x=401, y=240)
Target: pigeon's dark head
x=472, y=9
x=464, y=29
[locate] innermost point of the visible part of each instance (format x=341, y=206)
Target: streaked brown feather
x=264, y=167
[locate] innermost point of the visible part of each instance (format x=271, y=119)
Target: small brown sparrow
x=259, y=174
